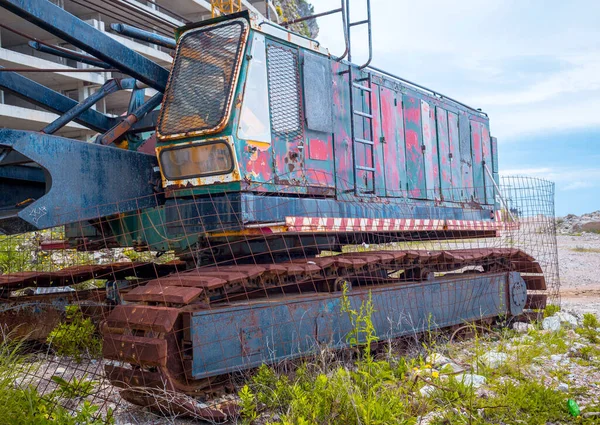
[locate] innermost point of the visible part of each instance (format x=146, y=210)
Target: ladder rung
x=365, y=21
x=360, y=167
x=365, y=141
x=361, y=87
x=363, y=114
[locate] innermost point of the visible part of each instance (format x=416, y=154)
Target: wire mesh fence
x=169, y=306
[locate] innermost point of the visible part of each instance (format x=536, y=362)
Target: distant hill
x=288, y=10
x=572, y=223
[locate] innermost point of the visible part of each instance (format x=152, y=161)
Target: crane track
x=149, y=336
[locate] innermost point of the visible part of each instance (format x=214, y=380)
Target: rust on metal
x=77, y=274
x=135, y=350
x=166, y=294
x=150, y=318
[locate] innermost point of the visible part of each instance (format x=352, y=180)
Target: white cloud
x=485, y=54
x=578, y=185
x=566, y=178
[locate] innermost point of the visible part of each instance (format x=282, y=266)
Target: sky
x=532, y=65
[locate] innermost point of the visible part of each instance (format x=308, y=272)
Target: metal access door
x=287, y=117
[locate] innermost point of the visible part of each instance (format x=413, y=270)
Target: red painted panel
x=379, y=180
x=487, y=160
x=435, y=166
x=320, y=149
x=455, y=167
x=445, y=174
x=477, y=151
x=415, y=169
x=392, y=124
x=344, y=160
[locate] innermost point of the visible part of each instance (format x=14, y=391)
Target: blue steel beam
x=53, y=101
x=257, y=332
x=69, y=54
x=62, y=24
x=107, y=88
x=139, y=34
x=86, y=181
x=124, y=126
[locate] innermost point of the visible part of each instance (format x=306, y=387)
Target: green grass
x=20, y=405
x=386, y=388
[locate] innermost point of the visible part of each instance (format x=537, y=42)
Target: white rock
x=567, y=318
x=523, y=327
x=576, y=347
x=471, y=379
x=493, y=359
x=60, y=371
x=556, y=358
x=427, y=390
x=563, y=387
x=436, y=359
x=551, y=323
x=452, y=368
x=429, y=418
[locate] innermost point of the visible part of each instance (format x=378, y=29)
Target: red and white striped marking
x=322, y=224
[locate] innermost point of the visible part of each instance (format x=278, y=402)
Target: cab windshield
x=202, y=82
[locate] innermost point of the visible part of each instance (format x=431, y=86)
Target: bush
x=76, y=388
x=589, y=328
x=25, y=406
x=76, y=336
x=551, y=310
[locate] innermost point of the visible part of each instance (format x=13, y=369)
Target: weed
x=389, y=389
x=551, y=310
x=248, y=411
x=75, y=337
x=24, y=406
x=589, y=328
x=590, y=321
x=75, y=388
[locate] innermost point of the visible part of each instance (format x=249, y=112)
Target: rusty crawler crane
x=273, y=168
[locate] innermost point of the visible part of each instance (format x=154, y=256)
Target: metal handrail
x=404, y=80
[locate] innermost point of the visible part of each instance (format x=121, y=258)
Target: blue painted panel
x=249, y=334
x=229, y=211
x=86, y=180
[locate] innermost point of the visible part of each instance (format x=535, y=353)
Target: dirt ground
x=579, y=268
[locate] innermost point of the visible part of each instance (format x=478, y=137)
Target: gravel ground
x=579, y=267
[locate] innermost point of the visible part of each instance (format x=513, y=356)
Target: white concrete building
x=159, y=16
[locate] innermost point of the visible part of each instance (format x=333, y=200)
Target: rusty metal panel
x=136, y=350
x=344, y=161
x=478, y=171
x=317, y=92
x=445, y=170
x=163, y=294
x=466, y=160
x=155, y=319
x=392, y=134
x=486, y=146
x=455, y=164
x=429, y=151
x=536, y=283
x=415, y=167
